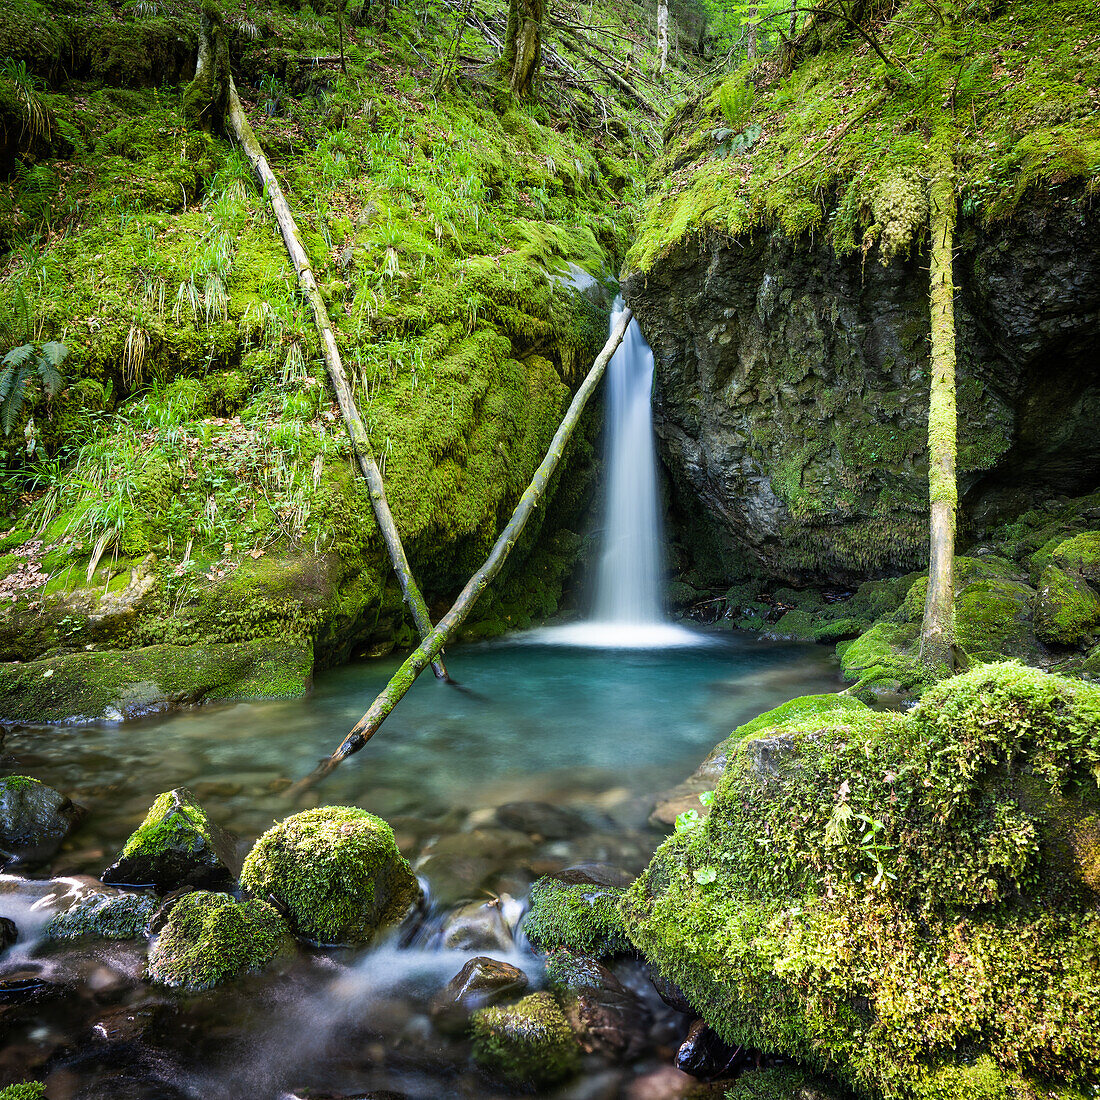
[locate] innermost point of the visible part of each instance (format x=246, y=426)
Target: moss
x=885, y=654
x=336, y=870
x=111, y=917
x=784, y=1083
x=128, y=684
x=1067, y=609
x=176, y=819
x=529, y=1043
x=879, y=906
x=211, y=938
x=25, y=1090
x=582, y=917
x=1080, y=554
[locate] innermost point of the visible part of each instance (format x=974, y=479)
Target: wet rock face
x=34, y=820
x=481, y=982
x=791, y=390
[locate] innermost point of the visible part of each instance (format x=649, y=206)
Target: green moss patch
x=336, y=870
x=109, y=917
x=529, y=1043
x=581, y=916
x=1067, y=609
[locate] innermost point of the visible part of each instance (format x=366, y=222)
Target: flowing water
x=593, y=733
x=628, y=611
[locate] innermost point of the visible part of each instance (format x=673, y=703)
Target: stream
x=546, y=756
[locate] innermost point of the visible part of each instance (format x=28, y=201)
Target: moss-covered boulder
x=212, y=938
x=529, y=1043
x=1067, y=609
x=1080, y=555
x=908, y=901
x=108, y=915
x=577, y=909
x=336, y=871
x=176, y=845
x=34, y=820
x=114, y=685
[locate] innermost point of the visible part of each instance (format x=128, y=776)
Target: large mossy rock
x=909, y=901
x=1067, y=609
x=212, y=938
x=529, y=1043
x=176, y=845
x=34, y=820
x=120, y=684
x=336, y=871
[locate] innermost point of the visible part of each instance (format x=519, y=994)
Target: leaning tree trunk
x=415, y=663
x=206, y=99
x=750, y=29
x=938, y=630
x=522, y=45
x=662, y=36
x=242, y=131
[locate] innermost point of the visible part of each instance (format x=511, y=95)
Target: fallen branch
x=415, y=663
x=239, y=127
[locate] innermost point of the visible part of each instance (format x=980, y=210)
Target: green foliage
x=20, y=366
x=212, y=938
x=892, y=888
x=26, y=1090
x=336, y=870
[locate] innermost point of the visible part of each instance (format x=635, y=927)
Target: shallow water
x=596, y=732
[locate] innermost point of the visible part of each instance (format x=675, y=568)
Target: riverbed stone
x=176, y=845
x=110, y=915
x=34, y=820
x=577, y=908
x=9, y=933
x=481, y=982
x=529, y=1043
x=337, y=873
x=477, y=926
x=542, y=819
x=212, y=938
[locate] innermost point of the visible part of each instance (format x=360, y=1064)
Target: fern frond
x=55, y=353
x=18, y=356
x=51, y=377
x=13, y=402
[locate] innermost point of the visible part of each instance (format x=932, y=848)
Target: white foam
x=596, y=634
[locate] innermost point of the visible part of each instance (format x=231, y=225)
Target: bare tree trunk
x=938, y=630
x=242, y=131
x=750, y=29
x=522, y=44
x=662, y=35
x=415, y=663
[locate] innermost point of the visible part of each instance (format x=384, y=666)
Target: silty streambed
x=464, y=775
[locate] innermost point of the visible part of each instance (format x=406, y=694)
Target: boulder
x=528, y=1044
x=704, y=1054
x=481, y=982
x=577, y=908
x=1080, y=555
x=336, y=872
x=1067, y=609
x=109, y=915
x=34, y=820
x=477, y=926
x=9, y=934
x=606, y=1016
x=213, y=938
x=176, y=845
x=964, y=832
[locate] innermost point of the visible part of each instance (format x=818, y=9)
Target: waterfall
x=628, y=608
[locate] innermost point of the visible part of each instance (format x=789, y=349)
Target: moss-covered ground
x=450, y=228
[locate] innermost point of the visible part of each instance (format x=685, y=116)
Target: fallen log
x=241, y=130
x=415, y=663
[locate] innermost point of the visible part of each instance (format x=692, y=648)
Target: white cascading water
x=628, y=609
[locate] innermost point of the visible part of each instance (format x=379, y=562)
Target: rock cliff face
x=792, y=385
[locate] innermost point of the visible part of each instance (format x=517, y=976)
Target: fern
x=20, y=366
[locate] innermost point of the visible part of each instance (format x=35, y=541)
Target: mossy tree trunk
x=242, y=131
x=522, y=45
x=418, y=660
x=206, y=99
x=938, y=630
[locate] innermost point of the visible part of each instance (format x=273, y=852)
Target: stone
x=336, y=872
x=1067, y=608
x=685, y=796
x=9, y=934
x=705, y=1055
x=110, y=914
x=606, y=1016
x=577, y=908
x=176, y=845
x=212, y=938
x=529, y=1043
x=481, y=982
x=541, y=819
x=34, y=820
x=477, y=927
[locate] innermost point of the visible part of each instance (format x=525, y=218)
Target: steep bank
x=780, y=275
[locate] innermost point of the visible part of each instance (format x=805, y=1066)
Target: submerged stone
x=176, y=845
x=110, y=915
x=529, y=1043
x=336, y=871
x=477, y=926
x=34, y=820
x=212, y=938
